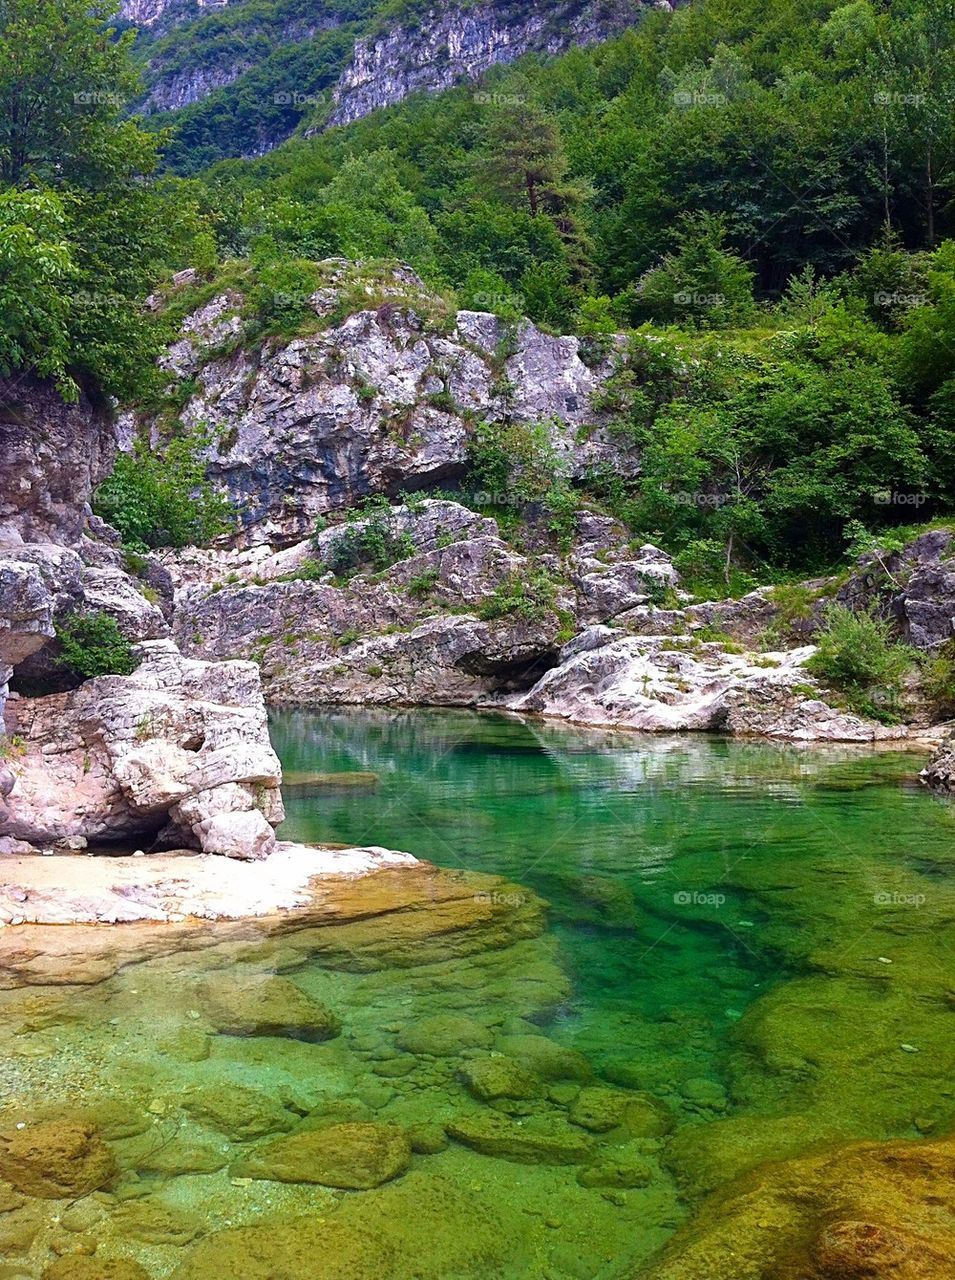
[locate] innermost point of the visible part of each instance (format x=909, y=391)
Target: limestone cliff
x=446, y=46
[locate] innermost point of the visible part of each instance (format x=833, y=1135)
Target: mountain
x=237, y=77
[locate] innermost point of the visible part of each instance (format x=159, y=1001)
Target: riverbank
x=172, y=887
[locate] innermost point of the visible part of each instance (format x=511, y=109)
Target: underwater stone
x=55, y=1159
x=270, y=1006
x=304, y=1249
x=493, y=1135
x=153, y=1222
x=859, y=1211
x=546, y=1059
x=444, y=1035
x=623, y=1167
x=427, y=1139
x=237, y=1112
x=354, y=1157
x=500, y=1077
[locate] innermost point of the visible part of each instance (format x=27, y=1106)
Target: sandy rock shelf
x=174, y=887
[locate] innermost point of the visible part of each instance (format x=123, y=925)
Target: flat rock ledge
x=176, y=887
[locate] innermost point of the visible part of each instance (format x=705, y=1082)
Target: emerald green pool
x=748, y=954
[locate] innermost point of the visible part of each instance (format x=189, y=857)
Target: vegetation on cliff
x=758, y=196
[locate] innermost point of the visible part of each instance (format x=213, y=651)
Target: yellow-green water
x=751, y=946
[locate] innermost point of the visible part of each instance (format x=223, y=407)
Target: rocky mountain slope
x=194, y=50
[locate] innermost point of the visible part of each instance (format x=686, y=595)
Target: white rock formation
x=671, y=683
x=180, y=745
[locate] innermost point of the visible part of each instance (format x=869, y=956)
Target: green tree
x=64, y=82
x=701, y=283
x=35, y=268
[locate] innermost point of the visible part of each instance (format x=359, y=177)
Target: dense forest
x=751, y=203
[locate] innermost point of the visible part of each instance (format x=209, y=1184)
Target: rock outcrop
x=666, y=683
x=939, y=773
x=914, y=587
x=447, y=46
x=462, y=615
x=178, y=744
x=56, y=557
x=420, y=51
x=178, y=750
x=380, y=402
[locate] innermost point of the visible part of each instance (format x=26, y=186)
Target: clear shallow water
x=753, y=946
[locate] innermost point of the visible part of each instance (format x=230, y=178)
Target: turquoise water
x=748, y=955
x=660, y=857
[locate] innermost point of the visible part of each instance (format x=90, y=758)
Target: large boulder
x=354, y=1157
x=662, y=683
x=122, y=756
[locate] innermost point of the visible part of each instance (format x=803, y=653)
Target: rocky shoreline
x=409, y=601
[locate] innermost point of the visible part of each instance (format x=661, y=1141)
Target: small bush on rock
x=161, y=498
x=91, y=644
x=858, y=657
x=373, y=544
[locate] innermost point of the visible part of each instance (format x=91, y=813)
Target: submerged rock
x=55, y=1159
x=303, y=1249
x=600, y=1110
x=444, y=1035
x=300, y=781
x=867, y=1211
x=546, y=1059
x=427, y=1139
x=534, y=1142
x=238, y=1113
x=622, y=1167
x=265, y=1006
x=500, y=1077
x=351, y=1156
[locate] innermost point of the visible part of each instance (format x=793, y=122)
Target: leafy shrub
x=938, y=678
x=422, y=584
x=91, y=644
x=161, y=498
x=373, y=544
x=858, y=657
x=515, y=459
x=528, y=598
